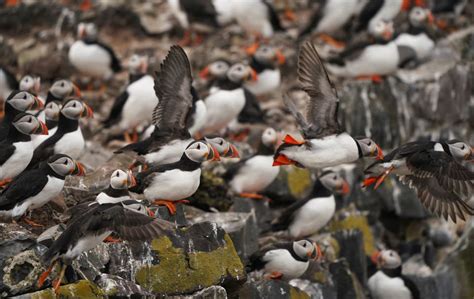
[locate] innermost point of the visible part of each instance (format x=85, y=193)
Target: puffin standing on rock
x=34, y=188
x=285, y=260
x=16, y=150
x=431, y=169
x=306, y=217
x=325, y=143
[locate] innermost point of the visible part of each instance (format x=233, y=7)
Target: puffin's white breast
x=91, y=59
x=268, y=81
x=280, y=260
x=388, y=11
x=252, y=16
x=334, y=17
x=103, y=198
x=85, y=244
x=312, y=216
x=255, y=175
x=38, y=139
x=169, y=153
x=420, y=43
x=173, y=185
x=71, y=144
x=200, y=116
x=375, y=59
x=18, y=161
x=383, y=287
x=223, y=106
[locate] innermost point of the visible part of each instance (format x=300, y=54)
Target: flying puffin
x=171, y=136
x=202, y=13
x=257, y=17
x=387, y=10
x=134, y=107
x=214, y=72
x=232, y=102
x=34, y=188
x=16, y=103
x=325, y=143
x=416, y=43
x=388, y=281
x=253, y=174
x=431, y=169
x=68, y=137
x=8, y=83
x=16, y=150
x=92, y=57
x=30, y=84
x=96, y=224
x=51, y=112
x=265, y=61
x=175, y=182
x=306, y=217
x=285, y=260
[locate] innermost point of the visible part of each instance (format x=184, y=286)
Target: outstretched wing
x=173, y=89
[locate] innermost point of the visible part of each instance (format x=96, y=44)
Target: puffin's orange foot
x=369, y=181
x=240, y=136
x=373, y=78
x=44, y=276
x=111, y=239
x=332, y=41
x=251, y=195
x=31, y=222
x=56, y=285
x=183, y=201
x=275, y=275
x=167, y=203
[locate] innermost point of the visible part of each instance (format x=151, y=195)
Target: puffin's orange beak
x=214, y=154
x=233, y=152
x=132, y=181
x=204, y=73
x=282, y=160
x=79, y=170
x=43, y=129
x=431, y=18
x=37, y=104
x=379, y=153
x=252, y=49
x=318, y=253
x=369, y=181
x=375, y=257
x=77, y=91
x=280, y=57
x=253, y=75
x=345, y=189
x=387, y=34
x=87, y=112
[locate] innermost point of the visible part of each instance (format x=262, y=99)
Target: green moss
x=296, y=293
x=80, y=289
x=320, y=277
x=356, y=222
x=299, y=181
x=178, y=272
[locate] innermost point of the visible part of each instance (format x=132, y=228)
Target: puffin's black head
x=386, y=259
x=266, y=54
x=215, y=70
x=23, y=100
x=200, y=151
x=64, y=88
x=460, y=150
x=306, y=250
x=120, y=180
x=64, y=165
x=334, y=182
x=31, y=84
x=28, y=124
x=75, y=108
x=223, y=147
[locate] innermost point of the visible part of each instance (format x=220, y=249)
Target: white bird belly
x=268, y=81
x=86, y=244
x=18, y=161
x=91, y=59
x=420, y=43
x=375, y=59
x=173, y=185
x=311, y=217
x=169, y=153
x=388, y=11
x=255, y=175
x=38, y=139
x=280, y=260
x=383, y=287
x=200, y=117
x=224, y=11
x=334, y=17
x=223, y=106
x=71, y=144
x=252, y=16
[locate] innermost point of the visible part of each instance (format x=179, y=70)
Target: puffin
x=175, y=182
x=257, y=17
x=34, y=188
x=265, y=61
x=223, y=147
x=93, y=227
x=325, y=142
x=232, y=102
x=16, y=150
x=375, y=10
x=214, y=72
x=388, y=281
x=252, y=175
x=137, y=67
x=17, y=102
x=8, y=83
x=62, y=89
x=417, y=43
x=31, y=84
x=306, y=217
x=431, y=168
x=51, y=113
x=92, y=57
x=133, y=108
x=203, y=14
x=285, y=261
x=173, y=87
x=68, y=138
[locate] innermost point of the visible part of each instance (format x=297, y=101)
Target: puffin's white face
x=387, y=259
x=74, y=109
x=268, y=54
x=369, y=148
x=30, y=84
x=122, y=180
x=24, y=100
x=63, y=88
x=305, y=249
x=51, y=111
x=419, y=16
x=269, y=137
x=28, y=124
x=137, y=64
x=461, y=151
x=223, y=147
x=335, y=183
x=88, y=30
x=218, y=69
x=381, y=30
x=200, y=151
x=64, y=165
x=240, y=72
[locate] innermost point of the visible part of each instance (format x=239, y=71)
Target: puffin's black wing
x=11, y=80
x=322, y=106
x=27, y=184
x=173, y=89
x=115, y=63
x=202, y=11
x=116, y=110
x=314, y=19
x=415, y=293
x=256, y=261
x=285, y=219
x=251, y=113
x=368, y=12
x=273, y=16
x=43, y=151
x=449, y=174
x=6, y=151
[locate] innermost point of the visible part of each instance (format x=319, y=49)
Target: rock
x=214, y=292
x=345, y=281
x=241, y=227
x=442, y=284
x=212, y=194
x=127, y=258
x=351, y=247
x=116, y=286
x=275, y=289
x=314, y=289
x=92, y=263
x=80, y=289
x=195, y=258
x=256, y=207
x=463, y=263
x=291, y=184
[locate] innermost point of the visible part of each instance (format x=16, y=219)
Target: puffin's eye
x=29, y=120
x=304, y=244
x=65, y=162
x=463, y=147
x=24, y=96
x=222, y=143
x=370, y=143
x=198, y=146
x=62, y=84
x=334, y=177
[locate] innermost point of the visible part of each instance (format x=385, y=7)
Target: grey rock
x=351, y=244
x=126, y=258
x=276, y=289
x=117, y=286
x=258, y=208
x=212, y=292
x=345, y=281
